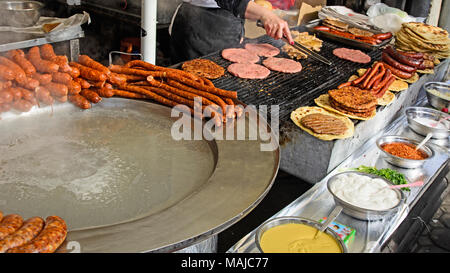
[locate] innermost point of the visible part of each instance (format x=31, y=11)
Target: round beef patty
x=264, y=50
x=248, y=71
x=353, y=55
x=282, y=65
x=239, y=55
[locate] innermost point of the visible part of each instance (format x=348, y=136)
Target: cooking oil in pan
x=99, y=167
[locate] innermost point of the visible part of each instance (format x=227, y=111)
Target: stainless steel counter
x=370, y=236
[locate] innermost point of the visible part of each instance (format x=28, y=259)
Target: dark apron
x=198, y=31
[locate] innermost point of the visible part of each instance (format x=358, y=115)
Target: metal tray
x=350, y=42
x=120, y=180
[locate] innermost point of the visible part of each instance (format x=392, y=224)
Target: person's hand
x=276, y=27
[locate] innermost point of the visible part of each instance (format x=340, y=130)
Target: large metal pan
x=120, y=180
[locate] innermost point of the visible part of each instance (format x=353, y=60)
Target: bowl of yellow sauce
x=290, y=234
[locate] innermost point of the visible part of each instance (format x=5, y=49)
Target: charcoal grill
x=290, y=91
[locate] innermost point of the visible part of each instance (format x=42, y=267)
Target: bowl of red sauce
x=401, y=151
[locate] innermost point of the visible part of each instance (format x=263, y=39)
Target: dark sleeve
x=237, y=7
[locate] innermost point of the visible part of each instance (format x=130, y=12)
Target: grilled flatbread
x=398, y=85
x=330, y=119
x=386, y=99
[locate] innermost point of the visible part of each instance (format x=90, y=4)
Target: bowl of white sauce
x=423, y=120
x=364, y=196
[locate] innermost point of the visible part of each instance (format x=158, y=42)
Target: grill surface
x=290, y=91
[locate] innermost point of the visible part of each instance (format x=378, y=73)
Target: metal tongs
x=301, y=48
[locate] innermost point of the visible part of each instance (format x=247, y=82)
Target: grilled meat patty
x=203, y=68
x=353, y=98
x=324, y=124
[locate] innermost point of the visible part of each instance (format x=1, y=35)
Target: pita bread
x=387, y=98
x=426, y=71
x=323, y=102
x=301, y=112
x=353, y=77
x=398, y=85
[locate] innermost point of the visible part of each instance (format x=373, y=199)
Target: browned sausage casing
x=390, y=61
x=57, y=89
x=23, y=235
x=80, y=101
x=10, y=224
x=48, y=241
x=43, y=95
x=90, y=95
x=22, y=105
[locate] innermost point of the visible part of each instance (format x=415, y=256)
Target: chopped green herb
x=391, y=175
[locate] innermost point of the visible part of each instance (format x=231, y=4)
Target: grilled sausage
x=43, y=95
x=19, y=74
x=47, y=52
x=10, y=224
x=5, y=107
x=29, y=83
x=57, y=89
x=61, y=77
x=17, y=94
x=90, y=95
x=23, y=235
x=6, y=96
x=401, y=58
x=5, y=84
x=104, y=92
x=6, y=73
x=48, y=241
x=80, y=101
x=371, y=74
x=415, y=55
x=63, y=64
x=87, y=61
x=397, y=72
x=20, y=59
x=382, y=36
x=74, y=87
x=43, y=79
x=89, y=73
x=83, y=83
x=389, y=60
x=74, y=72
x=41, y=65
x=22, y=105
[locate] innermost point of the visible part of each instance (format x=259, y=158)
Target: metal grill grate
x=290, y=91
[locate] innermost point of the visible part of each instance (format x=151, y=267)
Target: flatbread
x=387, y=98
x=301, y=112
x=361, y=71
x=426, y=71
x=323, y=102
x=353, y=77
x=398, y=85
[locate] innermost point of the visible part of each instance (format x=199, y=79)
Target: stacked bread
x=420, y=37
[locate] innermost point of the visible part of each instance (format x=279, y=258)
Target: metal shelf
x=13, y=40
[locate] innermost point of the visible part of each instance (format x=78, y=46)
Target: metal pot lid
x=121, y=181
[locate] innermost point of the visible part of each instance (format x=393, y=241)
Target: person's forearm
x=256, y=12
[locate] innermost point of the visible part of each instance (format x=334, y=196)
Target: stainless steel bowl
x=296, y=220
x=20, y=13
x=436, y=101
x=400, y=161
x=363, y=213
x=414, y=112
